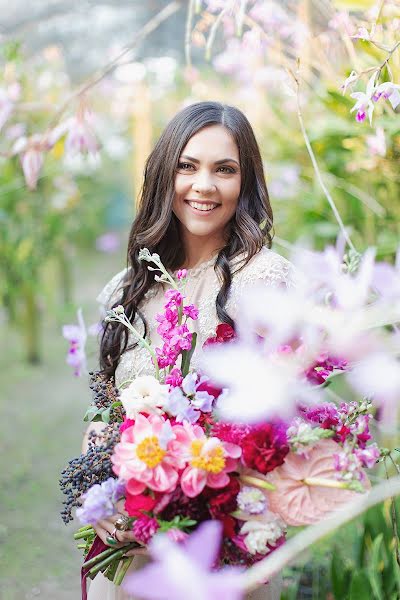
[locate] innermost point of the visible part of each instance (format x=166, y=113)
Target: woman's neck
x=199, y=249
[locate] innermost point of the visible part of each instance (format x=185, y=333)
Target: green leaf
x=91, y=412
x=187, y=356
x=360, y=588
x=375, y=567
x=340, y=576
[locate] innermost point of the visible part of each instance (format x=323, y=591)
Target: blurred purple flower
x=388, y=91
x=178, y=568
x=386, y=278
x=81, y=138
x=108, y=242
x=100, y=500
x=76, y=335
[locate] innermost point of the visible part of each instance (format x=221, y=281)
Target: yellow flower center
x=150, y=451
x=212, y=461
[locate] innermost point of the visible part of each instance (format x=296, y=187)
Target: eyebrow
x=217, y=162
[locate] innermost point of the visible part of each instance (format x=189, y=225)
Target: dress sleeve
x=111, y=291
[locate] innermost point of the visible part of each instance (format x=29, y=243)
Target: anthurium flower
x=179, y=567
x=307, y=488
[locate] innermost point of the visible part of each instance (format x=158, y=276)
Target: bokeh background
x=66, y=208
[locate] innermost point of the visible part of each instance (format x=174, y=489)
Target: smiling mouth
x=202, y=206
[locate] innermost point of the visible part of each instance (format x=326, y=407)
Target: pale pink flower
x=210, y=461
x=298, y=498
x=81, y=138
x=8, y=98
x=150, y=455
x=377, y=143
x=362, y=34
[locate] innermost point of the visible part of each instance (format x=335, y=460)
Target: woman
x=204, y=207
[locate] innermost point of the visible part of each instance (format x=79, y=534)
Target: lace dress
x=202, y=287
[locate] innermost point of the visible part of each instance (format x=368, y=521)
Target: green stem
x=31, y=326
x=96, y=559
x=123, y=568
x=83, y=534
x=261, y=483
x=117, y=555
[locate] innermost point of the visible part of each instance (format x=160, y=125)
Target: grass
x=41, y=414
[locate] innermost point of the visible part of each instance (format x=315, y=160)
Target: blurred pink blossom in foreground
x=182, y=570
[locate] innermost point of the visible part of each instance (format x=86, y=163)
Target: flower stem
x=124, y=565
x=97, y=558
x=261, y=483
x=115, y=556
x=83, y=534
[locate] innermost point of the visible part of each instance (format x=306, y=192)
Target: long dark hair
x=156, y=227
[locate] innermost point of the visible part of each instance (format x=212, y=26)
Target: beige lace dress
x=202, y=287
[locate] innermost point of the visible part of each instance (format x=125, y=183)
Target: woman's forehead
x=212, y=142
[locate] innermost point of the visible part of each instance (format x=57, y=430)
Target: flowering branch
x=150, y=26
x=117, y=315
x=316, y=167
x=268, y=567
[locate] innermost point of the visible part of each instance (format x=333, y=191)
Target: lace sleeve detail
x=267, y=266
x=111, y=291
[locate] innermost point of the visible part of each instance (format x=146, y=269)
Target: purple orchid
x=76, y=335
x=178, y=568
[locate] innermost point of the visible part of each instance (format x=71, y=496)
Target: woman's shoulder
x=112, y=290
x=266, y=265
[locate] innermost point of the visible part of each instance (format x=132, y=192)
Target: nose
x=203, y=184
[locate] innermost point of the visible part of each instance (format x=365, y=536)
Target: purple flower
x=108, y=242
x=179, y=406
x=181, y=274
x=144, y=528
x=99, y=501
x=368, y=456
x=174, y=298
x=174, y=378
x=325, y=414
x=191, y=311
x=76, y=335
x=179, y=567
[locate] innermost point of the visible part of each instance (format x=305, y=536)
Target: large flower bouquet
x=173, y=452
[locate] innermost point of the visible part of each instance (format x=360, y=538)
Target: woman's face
x=207, y=182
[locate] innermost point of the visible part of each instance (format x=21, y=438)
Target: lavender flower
x=99, y=501
x=251, y=500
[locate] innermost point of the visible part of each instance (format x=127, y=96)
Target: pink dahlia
x=210, y=460
x=149, y=456
x=144, y=528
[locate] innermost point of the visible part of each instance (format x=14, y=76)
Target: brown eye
x=229, y=170
x=185, y=166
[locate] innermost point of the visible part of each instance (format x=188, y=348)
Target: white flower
x=364, y=102
x=144, y=394
x=259, y=535
x=390, y=91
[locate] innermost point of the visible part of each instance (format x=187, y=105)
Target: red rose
x=264, y=448
x=134, y=505
x=224, y=333
x=223, y=501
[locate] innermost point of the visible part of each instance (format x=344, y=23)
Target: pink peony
x=210, y=461
x=301, y=503
x=144, y=528
x=149, y=455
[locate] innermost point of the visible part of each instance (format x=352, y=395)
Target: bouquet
x=172, y=458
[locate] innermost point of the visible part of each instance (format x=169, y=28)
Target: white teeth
x=203, y=207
